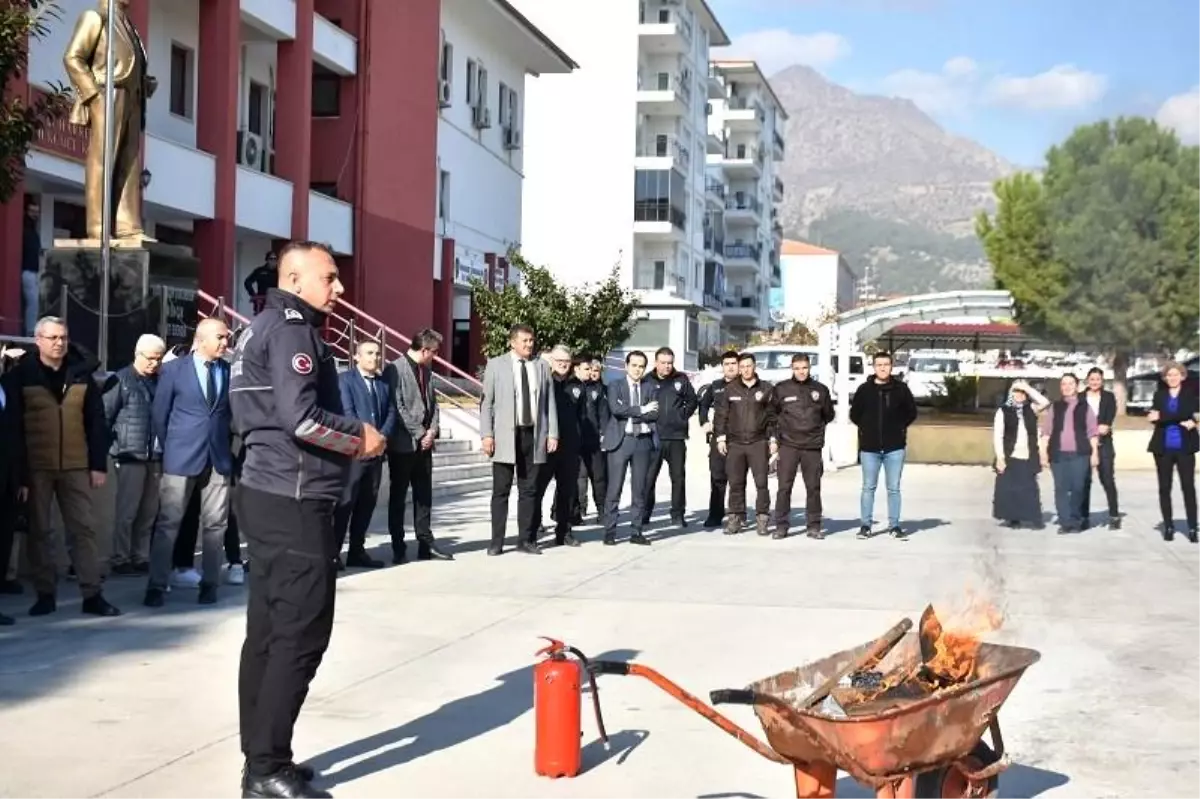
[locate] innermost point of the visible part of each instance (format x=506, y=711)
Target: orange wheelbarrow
x=928, y=747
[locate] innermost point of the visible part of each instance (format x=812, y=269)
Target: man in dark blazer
x=1104, y=404
x=410, y=446
x=366, y=397
x=12, y=470
x=631, y=440
x=191, y=418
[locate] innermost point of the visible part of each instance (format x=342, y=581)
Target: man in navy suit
x=630, y=438
x=365, y=396
x=191, y=418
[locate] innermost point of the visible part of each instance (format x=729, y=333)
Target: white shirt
x=1093, y=401
x=636, y=401
x=534, y=385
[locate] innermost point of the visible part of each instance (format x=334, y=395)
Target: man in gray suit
x=410, y=447
x=518, y=421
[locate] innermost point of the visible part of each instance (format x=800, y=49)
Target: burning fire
x=950, y=650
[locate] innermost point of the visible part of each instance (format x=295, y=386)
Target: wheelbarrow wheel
x=950, y=782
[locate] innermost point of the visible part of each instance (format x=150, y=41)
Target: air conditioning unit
x=481, y=117
x=512, y=139
x=250, y=150
x=443, y=93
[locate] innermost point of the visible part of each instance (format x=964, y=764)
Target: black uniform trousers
x=561, y=466
x=1106, y=472
x=674, y=454
x=289, y=618
x=525, y=471
x=407, y=469
x=811, y=466
x=354, y=512
x=593, y=466
x=634, y=455
x=718, y=481
x=754, y=457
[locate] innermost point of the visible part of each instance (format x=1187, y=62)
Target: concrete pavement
x=426, y=690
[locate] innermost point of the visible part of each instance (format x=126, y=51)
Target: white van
x=775, y=365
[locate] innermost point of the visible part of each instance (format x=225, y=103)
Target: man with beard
x=676, y=404
x=803, y=407
x=707, y=398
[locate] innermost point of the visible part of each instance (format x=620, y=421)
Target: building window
x=660, y=274
x=472, y=82
x=445, y=72
x=326, y=92
x=443, y=194
x=514, y=110
x=328, y=189
x=256, y=110
x=183, y=64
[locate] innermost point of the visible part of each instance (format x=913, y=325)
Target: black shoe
x=432, y=551
x=44, y=606
x=11, y=588
x=99, y=606
x=154, y=598
x=711, y=524
x=1114, y=523
x=7, y=621
x=287, y=782
x=568, y=540
x=639, y=540
x=897, y=532
x=679, y=522
x=1167, y=530
x=1193, y=534
x=208, y=594
x=123, y=570
x=1011, y=525
x=495, y=549
x=400, y=555
x=303, y=771
x=816, y=532
x=361, y=560
x=864, y=532
x=610, y=540
x=529, y=548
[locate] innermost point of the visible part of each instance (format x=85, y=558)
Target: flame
x=956, y=642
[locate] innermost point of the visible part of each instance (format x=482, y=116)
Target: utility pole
x=107, y=200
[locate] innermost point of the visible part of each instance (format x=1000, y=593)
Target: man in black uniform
x=264, y=278
x=802, y=408
x=287, y=408
x=706, y=399
x=563, y=464
x=744, y=423
x=676, y=404
x=593, y=462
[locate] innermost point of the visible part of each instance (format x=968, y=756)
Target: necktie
x=212, y=384
x=526, y=399
x=374, y=399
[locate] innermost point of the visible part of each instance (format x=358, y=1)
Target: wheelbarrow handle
x=734, y=696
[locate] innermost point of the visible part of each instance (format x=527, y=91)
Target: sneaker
x=864, y=532
x=186, y=578
x=235, y=574
x=896, y=532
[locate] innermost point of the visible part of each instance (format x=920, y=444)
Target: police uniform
x=287, y=408
x=802, y=408
x=593, y=461
x=718, y=481
x=745, y=422
x=677, y=402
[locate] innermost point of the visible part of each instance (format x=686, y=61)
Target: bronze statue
x=86, y=62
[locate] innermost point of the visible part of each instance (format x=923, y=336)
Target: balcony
x=714, y=245
x=743, y=255
x=264, y=203
x=665, y=95
x=745, y=115
x=183, y=179
x=780, y=149
x=333, y=48
x=778, y=194
x=275, y=18
x=743, y=208
x=714, y=191
x=744, y=308
x=716, y=83
x=331, y=221
x=664, y=31
x=716, y=143
x=658, y=220
x=662, y=147
x=743, y=161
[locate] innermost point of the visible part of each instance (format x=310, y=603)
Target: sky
x=1015, y=75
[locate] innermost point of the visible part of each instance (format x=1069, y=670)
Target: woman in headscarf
x=1016, y=500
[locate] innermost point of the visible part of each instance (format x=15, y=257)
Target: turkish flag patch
x=302, y=364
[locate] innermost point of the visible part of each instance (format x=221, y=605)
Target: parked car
x=775, y=364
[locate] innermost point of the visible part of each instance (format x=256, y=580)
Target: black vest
x=1012, y=428
x=1082, y=447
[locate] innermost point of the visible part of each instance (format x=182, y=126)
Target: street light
x=147, y=176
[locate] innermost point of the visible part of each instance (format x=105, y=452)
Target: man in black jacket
x=676, y=404
x=745, y=427
x=1104, y=404
x=706, y=399
x=593, y=461
x=562, y=465
x=882, y=408
x=802, y=407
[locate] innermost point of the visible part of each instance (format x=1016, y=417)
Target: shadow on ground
x=454, y=723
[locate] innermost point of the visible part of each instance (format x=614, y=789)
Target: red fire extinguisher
x=557, y=699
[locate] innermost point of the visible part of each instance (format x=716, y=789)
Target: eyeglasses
x=151, y=358
x=44, y=337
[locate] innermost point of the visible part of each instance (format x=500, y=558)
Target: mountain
x=877, y=179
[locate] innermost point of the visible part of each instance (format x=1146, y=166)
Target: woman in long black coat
x=1174, y=442
x=1017, y=500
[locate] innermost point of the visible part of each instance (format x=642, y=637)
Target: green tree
x=1103, y=251
x=592, y=319
x=21, y=120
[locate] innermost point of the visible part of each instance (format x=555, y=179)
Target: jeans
x=30, y=300
x=892, y=464
x=1070, y=472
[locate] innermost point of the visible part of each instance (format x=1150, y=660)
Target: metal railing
x=669, y=147
x=750, y=251
x=715, y=187
x=743, y=203
x=654, y=211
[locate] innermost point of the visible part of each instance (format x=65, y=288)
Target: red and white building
x=352, y=122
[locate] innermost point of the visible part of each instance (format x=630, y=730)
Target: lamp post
x=107, y=200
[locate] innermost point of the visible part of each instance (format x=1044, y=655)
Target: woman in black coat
x=1174, y=442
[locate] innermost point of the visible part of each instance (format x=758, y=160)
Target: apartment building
x=616, y=160
x=342, y=121
x=745, y=155
x=816, y=282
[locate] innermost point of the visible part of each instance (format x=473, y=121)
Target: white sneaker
x=235, y=574
x=186, y=578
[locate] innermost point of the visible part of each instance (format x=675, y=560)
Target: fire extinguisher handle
x=733, y=696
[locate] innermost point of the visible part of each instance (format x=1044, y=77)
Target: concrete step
x=450, y=481
x=449, y=445
x=457, y=458
x=444, y=489
x=462, y=471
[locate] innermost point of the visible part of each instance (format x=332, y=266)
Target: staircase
x=459, y=466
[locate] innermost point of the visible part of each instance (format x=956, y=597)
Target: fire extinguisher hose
x=595, y=693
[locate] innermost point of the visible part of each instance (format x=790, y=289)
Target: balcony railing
x=673, y=18
x=748, y=104
x=667, y=82
x=713, y=300
x=713, y=243
x=715, y=187
x=750, y=251
x=657, y=211
x=745, y=152
x=742, y=302
x=743, y=203
x=669, y=147
x=779, y=141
